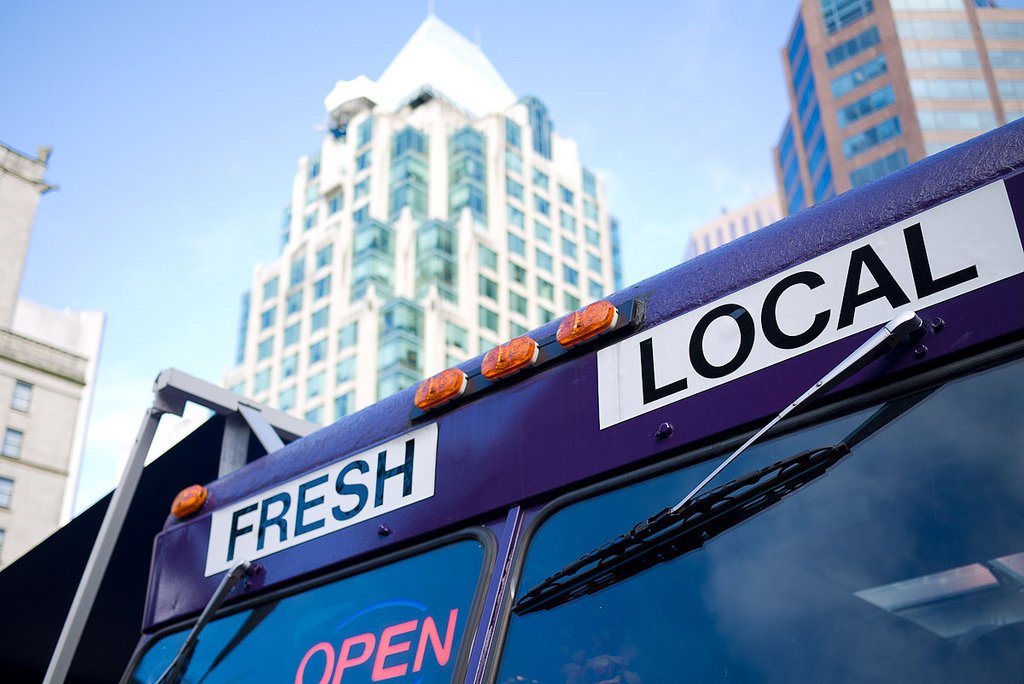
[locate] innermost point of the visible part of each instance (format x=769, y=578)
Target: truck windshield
x=403, y=621
x=904, y=562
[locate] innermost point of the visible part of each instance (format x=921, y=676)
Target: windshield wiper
x=694, y=520
x=175, y=671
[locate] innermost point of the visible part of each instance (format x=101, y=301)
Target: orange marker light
x=440, y=389
x=587, y=323
x=188, y=501
x=509, y=358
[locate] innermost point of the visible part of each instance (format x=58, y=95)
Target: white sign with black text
x=360, y=487
x=944, y=252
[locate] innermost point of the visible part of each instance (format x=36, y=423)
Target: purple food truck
x=798, y=458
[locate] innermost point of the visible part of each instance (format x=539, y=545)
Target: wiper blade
x=175, y=671
x=694, y=520
x=672, y=532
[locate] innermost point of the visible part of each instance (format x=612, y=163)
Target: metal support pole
x=96, y=567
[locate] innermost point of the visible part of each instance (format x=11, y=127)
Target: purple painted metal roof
x=484, y=466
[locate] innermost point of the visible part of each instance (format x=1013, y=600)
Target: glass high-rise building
x=877, y=84
x=441, y=215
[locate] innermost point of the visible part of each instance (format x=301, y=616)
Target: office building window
x=488, y=319
x=309, y=221
x=567, y=195
x=364, y=160
x=347, y=335
x=516, y=245
x=838, y=14
x=594, y=289
x=315, y=385
x=927, y=4
x=488, y=258
x=1003, y=30
x=513, y=162
x=570, y=275
x=541, y=205
x=289, y=366
x=544, y=260
x=360, y=215
x=6, y=492
x=540, y=179
x=456, y=336
x=593, y=262
x=344, y=405
x=270, y=288
x=516, y=217
x=545, y=289
x=930, y=29
x=589, y=184
x=881, y=98
x=542, y=232
x=315, y=415
x=261, y=381
x=324, y=255
x=571, y=302
x=317, y=351
x=365, y=132
x=265, y=349
x=361, y=189
x=322, y=287
x=590, y=210
x=514, y=188
x=592, y=236
x=335, y=203
x=319, y=319
x=1006, y=59
x=517, y=273
x=841, y=85
x=517, y=303
x=568, y=248
x=13, y=440
x=544, y=315
x=853, y=47
x=949, y=89
x=345, y=370
x=568, y=221
x=515, y=330
x=937, y=58
x=286, y=399
x=867, y=139
x=21, y=400
x=878, y=168
x=513, y=134
x=268, y=317
x=291, y=334
x=955, y=120
x=488, y=288
x=293, y=303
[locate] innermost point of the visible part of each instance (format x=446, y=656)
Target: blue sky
x=176, y=128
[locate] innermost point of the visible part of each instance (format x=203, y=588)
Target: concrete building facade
x=47, y=372
x=442, y=215
x=732, y=224
x=877, y=84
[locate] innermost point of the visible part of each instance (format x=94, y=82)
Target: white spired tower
x=441, y=216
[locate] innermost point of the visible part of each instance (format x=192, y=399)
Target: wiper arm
x=175, y=671
x=694, y=520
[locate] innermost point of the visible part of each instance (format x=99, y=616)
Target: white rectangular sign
x=941, y=253
x=360, y=487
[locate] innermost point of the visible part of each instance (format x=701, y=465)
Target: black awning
x=37, y=589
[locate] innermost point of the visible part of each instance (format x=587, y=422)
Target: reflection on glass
x=405, y=619
x=786, y=595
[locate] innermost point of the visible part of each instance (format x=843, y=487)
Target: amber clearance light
x=511, y=357
x=188, y=501
x=440, y=389
x=587, y=323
